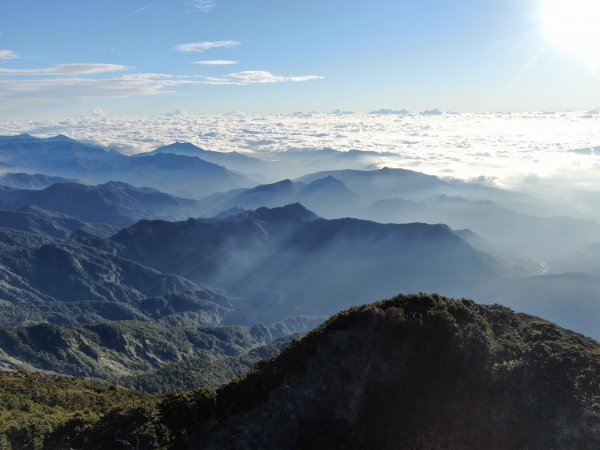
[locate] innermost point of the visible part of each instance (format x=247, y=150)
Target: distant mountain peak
x=18, y=138
x=329, y=179
x=115, y=184
x=286, y=182
x=181, y=148
x=20, y=180
x=294, y=211
x=29, y=137
x=279, y=186
x=329, y=196
x=60, y=138
x=328, y=182
x=386, y=169
x=115, y=203
x=231, y=212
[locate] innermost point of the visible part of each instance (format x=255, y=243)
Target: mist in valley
x=313, y=244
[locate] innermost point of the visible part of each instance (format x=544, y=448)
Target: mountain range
x=113, y=203
x=402, y=196
x=50, y=224
x=139, y=276
x=233, y=160
x=16, y=180
x=63, y=157
x=118, y=349
x=37, y=271
x=279, y=259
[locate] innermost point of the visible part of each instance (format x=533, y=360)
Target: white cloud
x=199, y=47
x=256, y=77
x=204, y=5
x=68, y=69
x=215, y=62
x=17, y=92
x=500, y=146
x=5, y=55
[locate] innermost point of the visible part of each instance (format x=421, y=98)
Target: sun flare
x=573, y=25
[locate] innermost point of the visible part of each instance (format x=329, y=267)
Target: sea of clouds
x=500, y=148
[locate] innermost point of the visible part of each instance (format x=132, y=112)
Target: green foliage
x=208, y=372
x=116, y=349
x=465, y=374
x=168, y=423
x=410, y=372
x=33, y=405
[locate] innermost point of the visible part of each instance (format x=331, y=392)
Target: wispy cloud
x=215, y=62
x=5, y=55
x=142, y=9
x=18, y=92
x=257, y=77
x=68, y=69
x=204, y=5
x=23, y=93
x=199, y=47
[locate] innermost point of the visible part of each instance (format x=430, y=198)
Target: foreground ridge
x=419, y=371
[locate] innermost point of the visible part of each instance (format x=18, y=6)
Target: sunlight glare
x=574, y=25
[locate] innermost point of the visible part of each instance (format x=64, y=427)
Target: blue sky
x=141, y=57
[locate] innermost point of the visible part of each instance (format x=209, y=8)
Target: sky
x=62, y=58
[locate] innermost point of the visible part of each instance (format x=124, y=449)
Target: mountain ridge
x=176, y=174
x=115, y=203
x=419, y=371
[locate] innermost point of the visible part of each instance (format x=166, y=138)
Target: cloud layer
x=493, y=147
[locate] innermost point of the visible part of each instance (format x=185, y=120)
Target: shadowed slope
x=411, y=372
